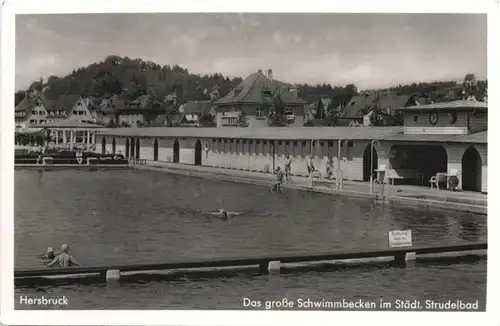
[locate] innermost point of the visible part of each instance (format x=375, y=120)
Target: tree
x=242, y=120
x=18, y=97
x=207, y=120
x=276, y=116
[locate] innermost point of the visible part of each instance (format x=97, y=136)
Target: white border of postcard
x=10, y=316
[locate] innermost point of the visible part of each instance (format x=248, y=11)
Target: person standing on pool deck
x=64, y=259
x=288, y=167
x=311, y=169
x=279, y=179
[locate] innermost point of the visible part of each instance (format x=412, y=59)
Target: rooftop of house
x=453, y=105
x=63, y=103
x=357, y=104
x=249, y=91
x=195, y=107
x=111, y=105
x=394, y=101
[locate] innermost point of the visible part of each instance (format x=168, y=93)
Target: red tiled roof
x=250, y=91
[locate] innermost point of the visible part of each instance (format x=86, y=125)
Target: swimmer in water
x=223, y=214
x=50, y=254
x=64, y=259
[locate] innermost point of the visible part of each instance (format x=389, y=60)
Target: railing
x=264, y=263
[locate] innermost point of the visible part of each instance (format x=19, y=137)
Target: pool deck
x=472, y=202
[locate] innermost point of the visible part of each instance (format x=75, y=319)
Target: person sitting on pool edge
x=64, y=259
x=50, y=254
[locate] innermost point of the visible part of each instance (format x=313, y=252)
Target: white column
x=88, y=137
x=71, y=138
x=93, y=138
x=57, y=136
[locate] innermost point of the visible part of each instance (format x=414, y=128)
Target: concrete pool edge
x=264, y=180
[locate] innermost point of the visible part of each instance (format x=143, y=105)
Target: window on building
x=330, y=143
x=415, y=118
x=42, y=122
x=32, y=122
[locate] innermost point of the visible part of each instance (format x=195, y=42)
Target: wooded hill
x=130, y=78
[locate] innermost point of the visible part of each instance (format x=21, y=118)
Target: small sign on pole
x=400, y=239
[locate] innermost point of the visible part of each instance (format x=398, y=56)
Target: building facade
x=254, y=97
x=414, y=158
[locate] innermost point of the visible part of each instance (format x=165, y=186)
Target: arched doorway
x=197, y=153
x=132, y=147
x=137, y=148
x=127, y=147
x=155, y=150
x=471, y=170
x=368, y=169
x=103, y=145
x=113, y=145
x=176, y=151
x=416, y=159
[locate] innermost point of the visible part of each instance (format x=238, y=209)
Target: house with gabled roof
x=191, y=111
x=141, y=112
x=359, y=106
x=32, y=110
x=254, y=98
x=107, y=111
x=75, y=107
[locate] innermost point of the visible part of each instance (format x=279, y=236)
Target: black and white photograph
x=249, y=161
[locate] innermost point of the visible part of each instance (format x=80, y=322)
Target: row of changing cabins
x=408, y=160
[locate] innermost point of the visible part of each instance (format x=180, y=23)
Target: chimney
x=270, y=74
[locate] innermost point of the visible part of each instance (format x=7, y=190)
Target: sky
x=369, y=50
